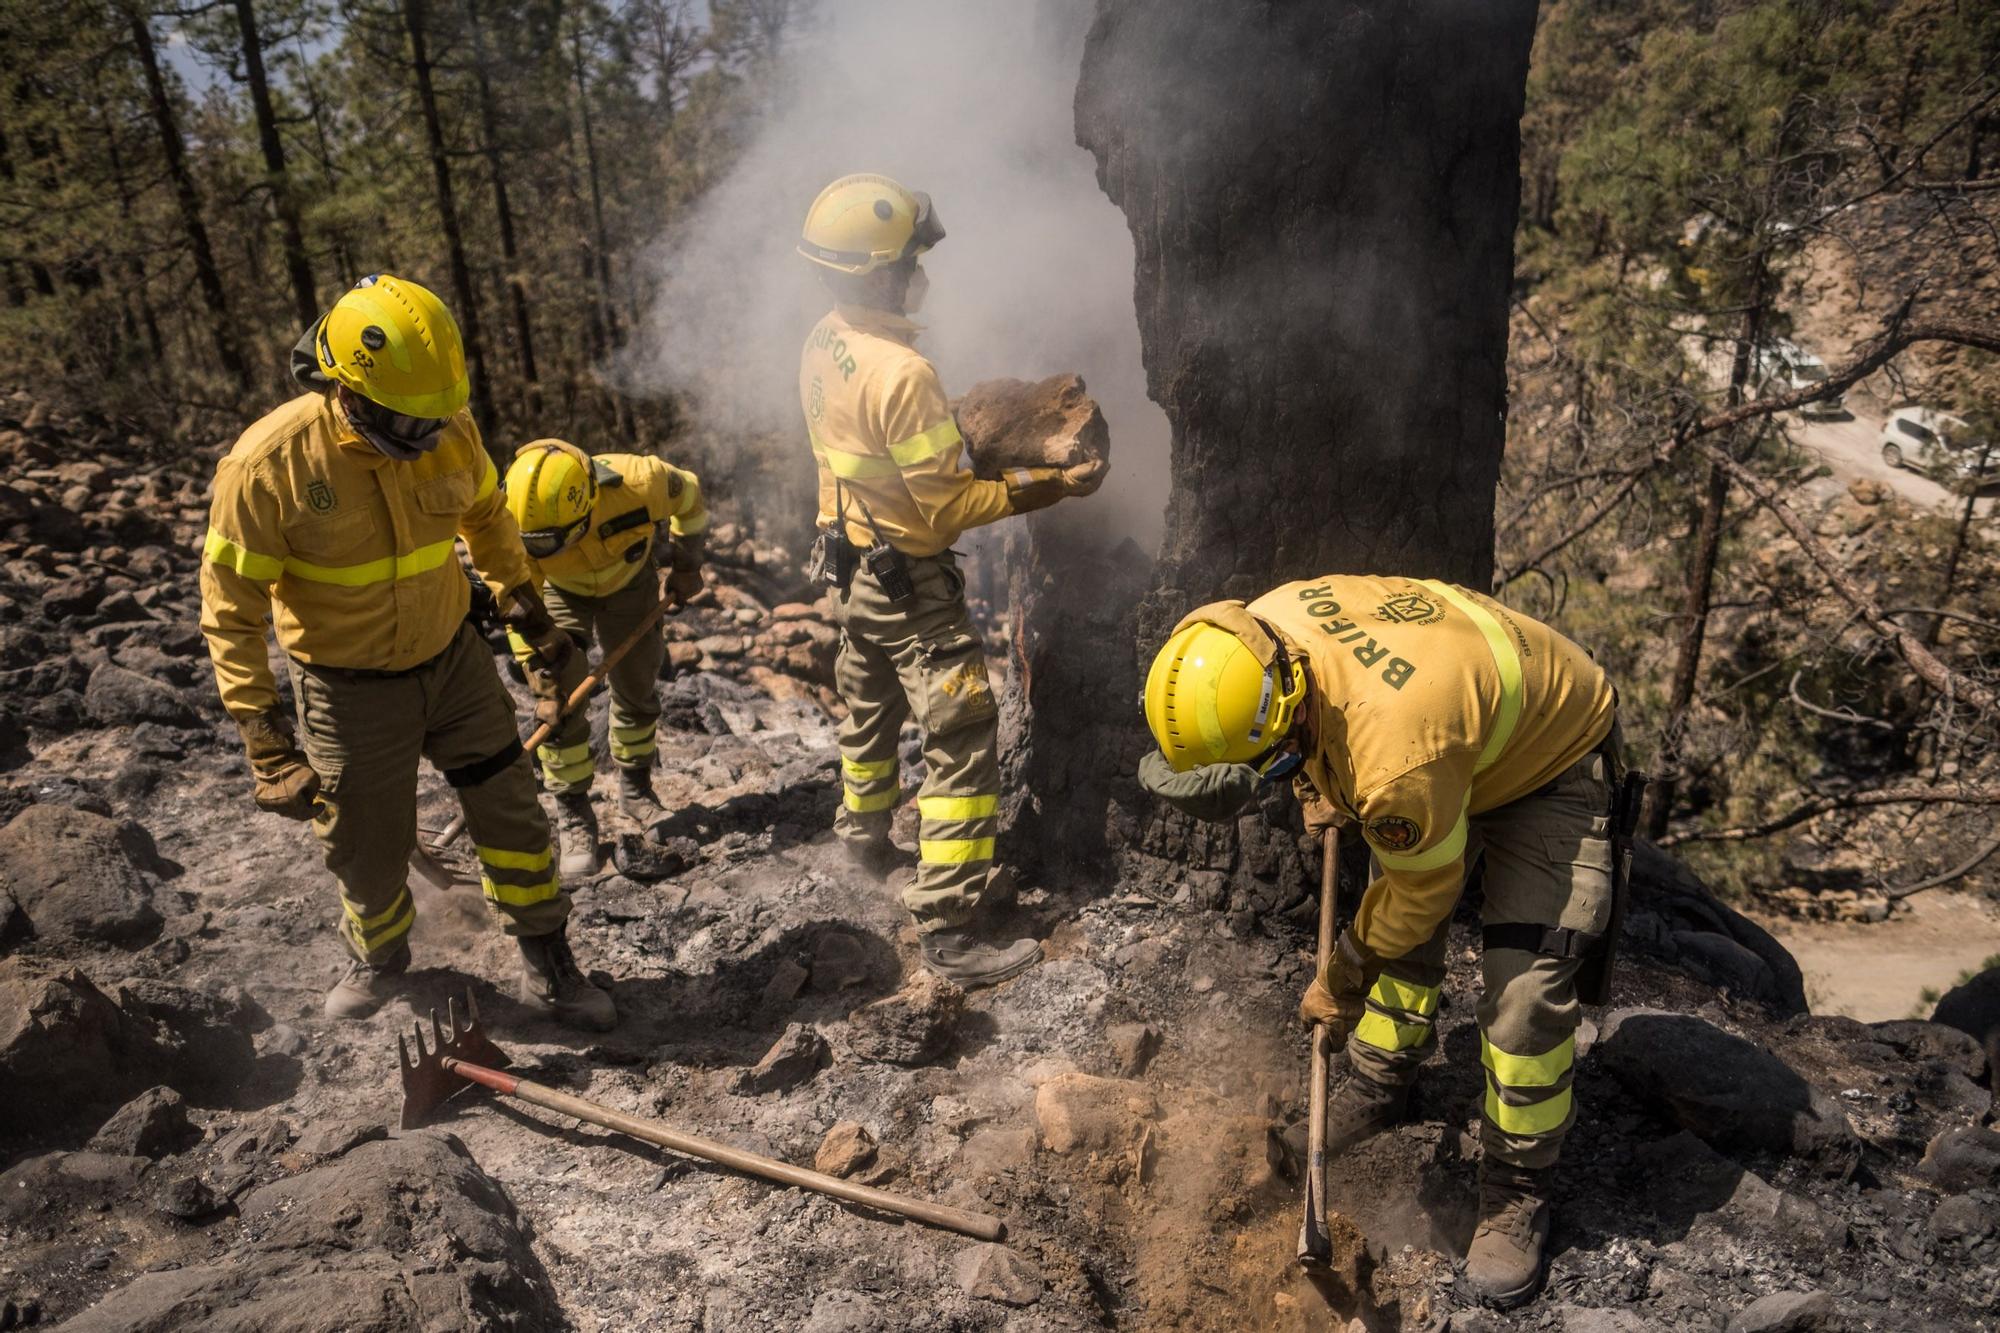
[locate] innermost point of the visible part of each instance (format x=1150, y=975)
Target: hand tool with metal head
x=461, y=1054
x=1315, y=1241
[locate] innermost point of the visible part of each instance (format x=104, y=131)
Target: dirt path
x=1853, y=450
x=1875, y=972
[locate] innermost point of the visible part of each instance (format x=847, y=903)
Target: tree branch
x=1965, y=867
x=1820, y=805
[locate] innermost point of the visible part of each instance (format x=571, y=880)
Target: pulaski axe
x=460, y=1054
x=424, y=859
x=1315, y=1241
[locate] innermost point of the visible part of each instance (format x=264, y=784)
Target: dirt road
x=1852, y=448
x=1879, y=971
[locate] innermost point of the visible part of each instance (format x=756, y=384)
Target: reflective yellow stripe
x=866, y=805
x=1528, y=1071
x=1506, y=660
x=376, y=931
x=555, y=756
x=502, y=859
x=390, y=567
x=867, y=770
x=1394, y=993
x=640, y=733
x=926, y=445
x=570, y=775
x=954, y=851
x=218, y=549
x=957, y=807
x=514, y=895
x=857, y=467
x=1385, y=1033
x=487, y=479
x=1446, y=852
x=690, y=527
x=370, y=922
x=1534, y=1118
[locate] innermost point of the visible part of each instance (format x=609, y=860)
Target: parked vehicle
x=1939, y=445
x=1785, y=367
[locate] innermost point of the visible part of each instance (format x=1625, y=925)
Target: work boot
x=1505, y=1264
x=366, y=987
x=636, y=797
x=552, y=983
x=877, y=857
x=576, y=832
x=959, y=956
x=1363, y=1107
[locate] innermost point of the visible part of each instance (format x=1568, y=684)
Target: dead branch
x=1821, y=805
x=1965, y=867
x=1847, y=715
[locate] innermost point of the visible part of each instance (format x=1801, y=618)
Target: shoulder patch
x=1393, y=833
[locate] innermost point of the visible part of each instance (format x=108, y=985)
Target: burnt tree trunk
x=305, y=301
x=510, y=253
x=1322, y=197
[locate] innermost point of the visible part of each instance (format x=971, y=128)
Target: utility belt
x=1598, y=952
x=834, y=558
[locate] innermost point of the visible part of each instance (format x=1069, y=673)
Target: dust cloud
x=971, y=102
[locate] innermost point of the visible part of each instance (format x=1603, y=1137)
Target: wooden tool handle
x=978, y=1225
x=1314, y=1244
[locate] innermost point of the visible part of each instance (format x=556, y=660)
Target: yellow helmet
x=551, y=489
x=1222, y=691
x=395, y=344
x=862, y=223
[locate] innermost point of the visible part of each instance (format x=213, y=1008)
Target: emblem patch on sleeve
x=1393, y=833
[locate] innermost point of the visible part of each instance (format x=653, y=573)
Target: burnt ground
x=1122, y=1106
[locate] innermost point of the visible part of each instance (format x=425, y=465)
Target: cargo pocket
x=332, y=542
x=1579, y=885
x=956, y=691
x=447, y=496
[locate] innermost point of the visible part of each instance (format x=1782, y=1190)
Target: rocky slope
x=186, y=1144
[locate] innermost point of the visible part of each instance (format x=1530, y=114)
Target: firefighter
x=894, y=494
x=337, y=517
x=589, y=526
x=1447, y=727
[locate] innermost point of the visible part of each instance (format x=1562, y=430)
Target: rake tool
x=1315, y=1241
x=423, y=859
x=460, y=1053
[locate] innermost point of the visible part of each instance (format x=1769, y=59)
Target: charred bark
x=305, y=301
x=1322, y=200
x=510, y=254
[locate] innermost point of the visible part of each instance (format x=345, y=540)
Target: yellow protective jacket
x=351, y=555
x=646, y=491
x=882, y=430
x=1430, y=703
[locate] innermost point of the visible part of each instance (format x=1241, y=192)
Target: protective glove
x=549, y=698
x=684, y=580
x=529, y=618
x=1085, y=477
x=1337, y=996
x=1214, y=792
x=284, y=781
x=1032, y=488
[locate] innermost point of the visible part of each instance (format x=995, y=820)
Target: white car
x=1786, y=367
x=1939, y=445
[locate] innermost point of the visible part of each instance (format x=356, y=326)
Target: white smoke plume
x=969, y=100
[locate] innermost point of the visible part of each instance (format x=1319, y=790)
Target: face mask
x=914, y=294
x=393, y=435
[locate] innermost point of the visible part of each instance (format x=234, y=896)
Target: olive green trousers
x=567, y=762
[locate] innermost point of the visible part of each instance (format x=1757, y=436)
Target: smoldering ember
x=849, y=665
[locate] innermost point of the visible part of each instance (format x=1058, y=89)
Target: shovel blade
x=431, y=870
x=427, y=1083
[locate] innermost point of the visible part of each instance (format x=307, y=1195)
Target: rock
x=1974, y=1009
x=848, y=1147
x=1867, y=491
x=187, y=1198
x=910, y=1027
x=1694, y=1184
x=640, y=857
x=207, y=1033
x=407, y=1233
x=994, y=1150
x=1084, y=1113
x=1726, y=1090
x=116, y=697
x=284, y=1039
x=787, y=980
x=74, y=879
x=1133, y=1046
x=838, y=962
x=326, y=1141
x=1962, y=1159
x=1017, y=423
x=1579, y=1319
x=1783, y=1312
x=996, y=1273
x=846, y=1312
x=57, y=1030
x=14, y=926
x=793, y=1058
x=154, y=1124
x=72, y=596
x=1917, y=1040
x=1963, y=1217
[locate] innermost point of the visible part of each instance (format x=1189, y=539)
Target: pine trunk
x=510, y=255
x=305, y=300
x=1322, y=198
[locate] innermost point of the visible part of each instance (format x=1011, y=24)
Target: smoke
x=969, y=100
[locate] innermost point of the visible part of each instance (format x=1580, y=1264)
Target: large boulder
x=74, y=877
x=207, y=1034
x=1675, y=918
x=1974, y=1009
x=1731, y=1093
x=116, y=697
x=400, y=1234
x=65, y=1046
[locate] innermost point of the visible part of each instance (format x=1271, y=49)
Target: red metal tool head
x=427, y=1083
